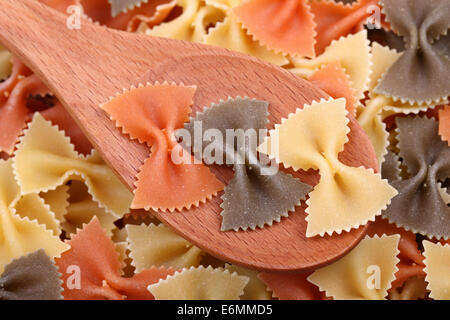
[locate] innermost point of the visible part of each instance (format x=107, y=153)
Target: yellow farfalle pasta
x=346, y=197
x=414, y=288
x=366, y=273
x=158, y=246
x=45, y=159
x=5, y=63
x=437, y=262
x=213, y=22
x=353, y=54
x=255, y=289
x=191, y=25
x=378, y=107
x=230, y=34
x=35, y=208
x=18, y=234
x=58, y=200
x=200, y=284
x=82, y=208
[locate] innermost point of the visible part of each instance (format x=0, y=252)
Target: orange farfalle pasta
x=98, y=266
x=411, y=259
x=335, y=20
x=282, y=25
x=60, y=5
x=444, y=124
x=13, y=110
x=292, y=286
x=151, y=12
x=152, y=114
x=333, y=80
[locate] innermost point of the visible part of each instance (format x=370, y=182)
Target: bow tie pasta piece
x=259, y=194
x=437, y=269
x=378, y=107
x=414, y=289
x=333, y=80
x=291, y=286
x=58, y=201
x=422, y=73
x=191, y=25
x=411, y=259
x=335, y=20
x=444, y=124
x=158, y=246
x=34, y=207
x=5, y=63
x=255, y=288
x=231, y=35
x=31, y=277
x=99, y=267
x=18, y=234
x=419, y=205
x=200, y=284
x=353, y=54
x=82, y=208
x=286, y=26
x=13, y=109
x=151, y=114
x=45, y=159
x=102, y=12
x=366, y=273
x=346, y=197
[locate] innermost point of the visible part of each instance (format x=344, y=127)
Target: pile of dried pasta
x=75, y=231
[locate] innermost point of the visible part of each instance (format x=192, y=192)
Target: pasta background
x=60, y=204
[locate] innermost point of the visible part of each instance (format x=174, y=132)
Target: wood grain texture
x=85, y=67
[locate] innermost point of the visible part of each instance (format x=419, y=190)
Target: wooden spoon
x=85, y=67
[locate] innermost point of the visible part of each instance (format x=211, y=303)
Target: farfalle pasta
x=335, y=19
x=111, y=13
x=158, y=246
x=273, y=193
x=333, y=79
x=353, y=54
x=101, y=280
x=47, y=150
x=13, y=110
x=81, y=208
x=200, y=284
x=291, y=286
x=379, y=106
x=421, y=73
x=345, y=197
x=255, y=288
x=39, y=271
x=285, y=26
x=437, y=260
x=371, y=267
x=20, y=235
x=411, y=259
x=394, y=79
x=151, y=114
x=419, y=206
